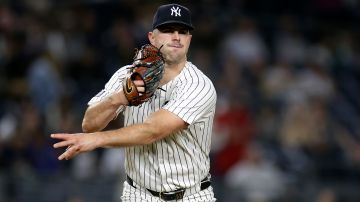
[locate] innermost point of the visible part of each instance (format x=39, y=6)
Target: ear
x=151, y=37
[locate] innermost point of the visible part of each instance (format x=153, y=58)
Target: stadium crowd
x=287, y=74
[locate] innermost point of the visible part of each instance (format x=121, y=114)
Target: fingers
x=140, y=86
x=69, y=153
x=62, y=136
x=139, y=83
x=66, y=140
x=75, y=144
x=69, y=141
x=63, y=144
x=141, y=89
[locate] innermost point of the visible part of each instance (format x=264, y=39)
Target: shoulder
x=194, y=83
x=193, y=75
x=194, y=96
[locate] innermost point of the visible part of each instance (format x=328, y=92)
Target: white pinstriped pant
x=131, y=194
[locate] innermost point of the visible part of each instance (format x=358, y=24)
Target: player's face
x=175, y=40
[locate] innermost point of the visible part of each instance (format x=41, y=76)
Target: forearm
x=98, y=115
x=153, y=129
x=138, y=134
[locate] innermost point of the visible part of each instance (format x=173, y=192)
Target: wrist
x=99, y=142
x=118, y=99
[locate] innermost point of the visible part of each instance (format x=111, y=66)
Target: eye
x=166, y=30
x=173, y=29
x=183, y=31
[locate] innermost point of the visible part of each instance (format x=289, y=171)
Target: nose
x=175, y=35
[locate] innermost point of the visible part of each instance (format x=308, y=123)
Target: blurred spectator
x=276, y=81
x=233, y=124
x=304, y=124
x=256, y=179
x=311, y=83
x=45, y=86
x=289, y=43
x=245, y=44
x=234, y=130
x=326, y=195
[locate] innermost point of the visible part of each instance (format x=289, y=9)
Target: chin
x=173, y=60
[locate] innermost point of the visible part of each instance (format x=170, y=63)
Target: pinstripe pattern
x=180, y=160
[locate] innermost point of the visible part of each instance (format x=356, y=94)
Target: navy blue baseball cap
x=172, y=14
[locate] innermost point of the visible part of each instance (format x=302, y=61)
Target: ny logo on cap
x=175, y=11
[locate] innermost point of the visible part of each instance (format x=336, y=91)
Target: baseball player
x=167, y=135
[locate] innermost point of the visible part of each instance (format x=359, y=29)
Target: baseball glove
x=148, y=66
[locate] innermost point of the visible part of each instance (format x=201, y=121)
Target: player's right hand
x=76, y=143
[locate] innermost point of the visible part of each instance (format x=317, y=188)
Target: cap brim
x=175, y=22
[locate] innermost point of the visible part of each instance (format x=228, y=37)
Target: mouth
x=175, y=45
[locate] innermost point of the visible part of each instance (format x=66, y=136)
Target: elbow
x=151, y=139
x=87, y=127
x=154, y=134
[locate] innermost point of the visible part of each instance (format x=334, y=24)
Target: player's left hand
x=148, y=67
x=76, y=143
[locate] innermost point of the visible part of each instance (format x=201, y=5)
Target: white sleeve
x=193, y=100
x=112, y=86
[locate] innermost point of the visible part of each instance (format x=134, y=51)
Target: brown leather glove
x=148, y=66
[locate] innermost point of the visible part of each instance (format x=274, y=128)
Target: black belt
x=171, y=195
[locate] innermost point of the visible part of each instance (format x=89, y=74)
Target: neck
x=171, y=71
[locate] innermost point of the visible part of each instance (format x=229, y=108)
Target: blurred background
x=287, y=74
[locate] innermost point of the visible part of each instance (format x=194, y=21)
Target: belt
x=171, y=195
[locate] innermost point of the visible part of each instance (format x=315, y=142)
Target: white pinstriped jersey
x=180, y=160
